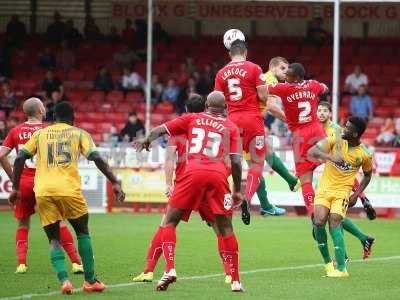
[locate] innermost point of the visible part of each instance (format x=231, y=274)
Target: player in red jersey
x=211, y=139
x=244, y=87
x=300, y=100
x=175, y=162
x=25, y=207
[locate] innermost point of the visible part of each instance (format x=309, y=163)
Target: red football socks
x=252, y=183
x=21, y=241
x=231, y=255
x=220, y=240
x=308, y=196
x=355, y=187
x=67, y=242
x=168, y=238
x=154, y=252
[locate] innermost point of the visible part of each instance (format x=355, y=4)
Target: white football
x=232, y=35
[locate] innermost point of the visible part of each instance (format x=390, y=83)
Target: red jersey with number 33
x=17, y=137
x=210, y=139
x=239, y=81
x=300, y=101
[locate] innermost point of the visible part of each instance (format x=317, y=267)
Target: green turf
x=120, y=242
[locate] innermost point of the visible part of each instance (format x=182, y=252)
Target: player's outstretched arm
x=321, y=151
x=104, y=168
x=19, y=164
x=154, y=134
x=236, y=166
x=363, y=185
x=4, y=162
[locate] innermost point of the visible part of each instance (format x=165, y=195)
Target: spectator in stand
x=112, y=137
x=156, y=89
x=8, y=100
x=51, y=83
x=396, y=142
x=125, y=57
x=160, y=35
x=3, y=131
x=316, y=35
x=387, y=135
x=47, y=59
x=190, y=66
x=113, y=36
x=50, y=105
x=141, y=33
x=16, y=30
x=200, y=84
x=12, y=122
x=103, y=81
x=132, y=81
x=354, y=80
x=55, y=31
x=129, y=33
x=361, y=104
x=66, y=57
x=208, y=76
x=183, y=75
x=91, y=30
x=171, y=92
x=184, y=94
x=133, y=128
x=72, y=34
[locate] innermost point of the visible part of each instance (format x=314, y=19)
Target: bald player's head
x=33, y=107
x=216, y=102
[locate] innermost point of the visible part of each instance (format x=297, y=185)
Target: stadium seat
x=76, y=75
x=115, y=96
x=104, y=127
x=88, y=126
x=134, y=97
x=77, y=95
x=395, y=92
x=96, y=97
x=124, y=107
x=164, y=108
x=95, y=117
x=117, y=117
x=384, y=111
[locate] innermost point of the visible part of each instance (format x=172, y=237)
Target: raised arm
x=154, y=134
x=104, y=168
x=270, y=103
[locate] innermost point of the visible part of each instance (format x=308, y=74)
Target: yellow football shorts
x=336, y=202
x=58, y=208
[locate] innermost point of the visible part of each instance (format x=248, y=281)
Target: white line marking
x=200, y=277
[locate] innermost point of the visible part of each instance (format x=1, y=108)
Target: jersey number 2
x=305, y=110
x=235, y=91
x=213, y=142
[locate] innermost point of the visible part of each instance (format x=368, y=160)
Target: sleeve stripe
x=90, y=152
x=23, y=150
x=166, y=128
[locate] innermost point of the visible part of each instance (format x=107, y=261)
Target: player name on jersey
x=302, y=95
x=211, y=123
x=234, y=71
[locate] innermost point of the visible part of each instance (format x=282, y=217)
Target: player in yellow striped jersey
x=276, y=73
x=344, y=157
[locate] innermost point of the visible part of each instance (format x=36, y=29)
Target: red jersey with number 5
x=17, y=137
x=210, y=139
x=238, y=81
x=300, y=101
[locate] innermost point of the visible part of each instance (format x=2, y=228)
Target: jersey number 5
x=235, y=91
x=305, y=110
x=211, y=149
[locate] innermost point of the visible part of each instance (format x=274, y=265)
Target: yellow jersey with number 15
x=57, y=149
x=341, y=177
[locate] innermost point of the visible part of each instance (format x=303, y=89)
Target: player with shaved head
x=34, y=111
x=211, y=138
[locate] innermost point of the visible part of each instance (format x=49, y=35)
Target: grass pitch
x=278, y=260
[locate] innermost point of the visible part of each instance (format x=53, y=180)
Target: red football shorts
x=203, y=190
x=303, y=139
x=252, y=133
x=204, y=211
x=25, y=206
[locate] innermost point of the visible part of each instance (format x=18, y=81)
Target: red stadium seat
x=164, y=108
x=134, y=97
x=96, y=96
x=95, y=117
x=384, y=111
x=117, y=117
x=88, y=126
x=377, y=90
x=124, y=107
x=77, y=96
x=76, y=75
x=104, y=127
x=97, y=137
x=115, y=96
x=395, y=92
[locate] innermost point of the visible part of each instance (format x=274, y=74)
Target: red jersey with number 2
x=210, y=139
x=17, y=137
x=238, y=81
x=299, y=101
